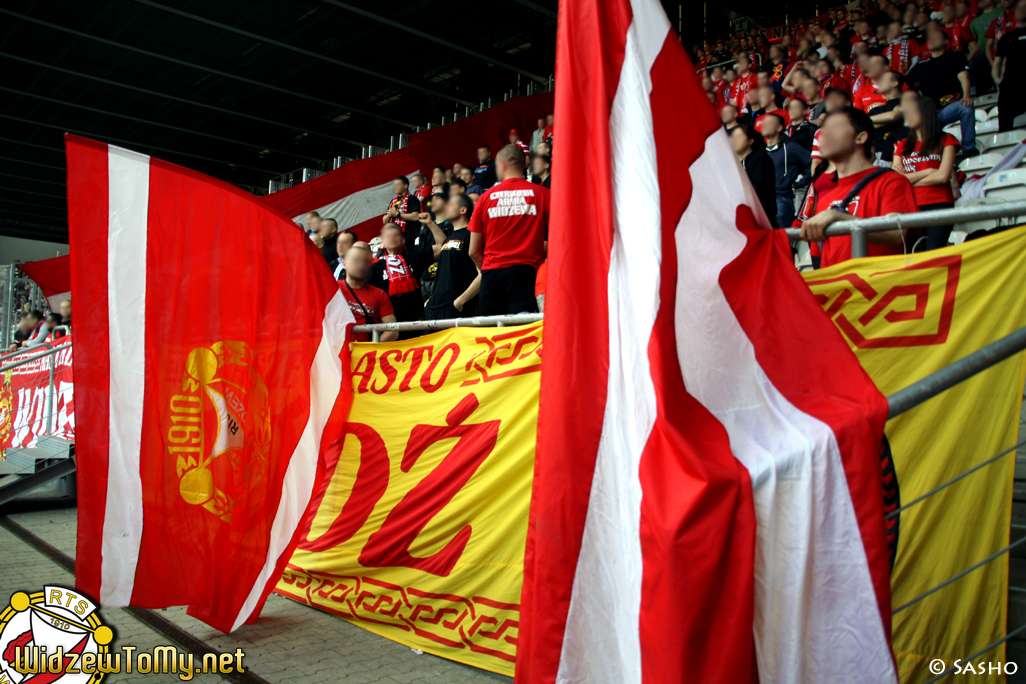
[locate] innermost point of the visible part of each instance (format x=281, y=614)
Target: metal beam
x=25, y=161
x=108, y=138
x=30, y=192
x=182, y=99
x=959, y=371
x=452, y=45
x=538, y=8
x=27, y=483
x=216, y=72
x=33, y=180
x=51, y=148
x=28, y=213
x=33, y=231
x=33, y=204
x=156, y=123
x=301, y=51
x=923, y=219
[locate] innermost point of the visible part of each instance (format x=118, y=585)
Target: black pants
x=507, y=290
x=937, y=236
x=1011, y=103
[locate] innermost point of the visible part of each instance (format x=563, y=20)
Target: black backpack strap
x=879, y=171
x=366, y=316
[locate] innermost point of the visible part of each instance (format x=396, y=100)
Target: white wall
x=28, y=250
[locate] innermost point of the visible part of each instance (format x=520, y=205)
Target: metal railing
x=858, y=228
x=440, y=324
x=47, y=427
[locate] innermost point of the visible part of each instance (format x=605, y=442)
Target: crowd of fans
x=468, y=241
x=33, y=328
x=843, y=116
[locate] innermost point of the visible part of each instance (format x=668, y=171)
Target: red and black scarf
x=400, y=277
x=400, y=202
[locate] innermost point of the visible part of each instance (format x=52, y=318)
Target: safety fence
x=859, y=228
x=37, y=396
x=898, y=403
x=16, y=291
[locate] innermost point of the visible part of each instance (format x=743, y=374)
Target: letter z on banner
x=208, y=370
x=707, y=502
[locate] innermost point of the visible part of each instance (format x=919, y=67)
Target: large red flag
x=53, y=276
x=209, y=378
x=708, y=506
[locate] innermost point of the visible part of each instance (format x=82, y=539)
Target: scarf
x=400, y=203
x=400, y=278
x=1004, y=23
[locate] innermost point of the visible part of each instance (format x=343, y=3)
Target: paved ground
x=290, y=644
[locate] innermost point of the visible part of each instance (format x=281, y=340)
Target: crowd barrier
x=858, y=228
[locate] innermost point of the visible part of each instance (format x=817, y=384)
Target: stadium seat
x=992, y=113
x=981, y=114
x=960, y=230
x=954, y=129
x=1008, y=185
x=1001, y=143
x=985, y=127
x=980, y=164
x=989, y=100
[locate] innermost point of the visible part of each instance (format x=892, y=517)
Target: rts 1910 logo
x=54, y=634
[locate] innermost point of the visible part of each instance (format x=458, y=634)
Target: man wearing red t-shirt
x=507, y=237
x=719, y=86
x=1004, y=23
x=869, y=96
x=863, y=32
x=745, y=80
x=514, y=139
x=960, y=38
x=901, y=51
x=846, y=139
x=369, y=304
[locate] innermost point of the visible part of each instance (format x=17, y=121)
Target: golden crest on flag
x=6, y=412
x=218, y=428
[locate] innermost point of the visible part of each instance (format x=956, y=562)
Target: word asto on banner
x=23, y=399
x=421, y=519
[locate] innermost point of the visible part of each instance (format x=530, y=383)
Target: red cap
x=514, y=132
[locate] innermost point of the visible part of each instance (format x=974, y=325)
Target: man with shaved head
x=508, y=231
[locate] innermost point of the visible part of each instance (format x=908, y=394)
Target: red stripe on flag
x=801, y=372
x=697, y=516
x=589, y=57
x=87, y=208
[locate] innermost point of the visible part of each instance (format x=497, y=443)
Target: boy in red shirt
x=869, y=96
x=862, y=191
x=508, y=231
x=745, y=81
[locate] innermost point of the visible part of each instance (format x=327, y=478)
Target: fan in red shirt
x=768, y=105
x=547, y=133
x=369, y=304
x=745, y=80
x=1001, y=25
x=507, y=237
x=419, y=188
x=863, y=32
x=863, y=190
x=720, y=86
x=514, y=139
x=927, y=159
x=901, y=51
x=869, y=96
x=959, y=37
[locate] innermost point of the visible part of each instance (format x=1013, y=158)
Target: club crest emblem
x=58, y=624
x=218, y=429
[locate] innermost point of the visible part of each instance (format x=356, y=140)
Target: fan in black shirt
x=484, y=172
x=1010, y=71
x=324, y=238
x=541, y=167
x=457, y=279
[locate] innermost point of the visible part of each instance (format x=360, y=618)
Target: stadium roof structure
x=248, y=90
x=243, y=90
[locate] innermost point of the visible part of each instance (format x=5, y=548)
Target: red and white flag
x=53, y=276
x=209, y=380
x=709, y=508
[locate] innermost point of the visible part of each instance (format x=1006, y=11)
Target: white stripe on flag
x=816, y=612
x=356, y=208
x=602, y=641
x=128, y=197
x=297, y=488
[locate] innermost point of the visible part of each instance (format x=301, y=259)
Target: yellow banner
x=419, y=532
x=906, y=318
